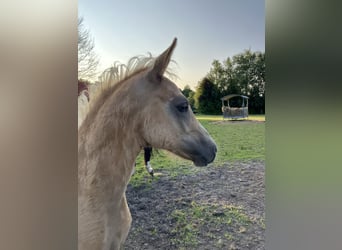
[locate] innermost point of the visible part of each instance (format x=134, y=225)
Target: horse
x=144, y=109
x=83, y=102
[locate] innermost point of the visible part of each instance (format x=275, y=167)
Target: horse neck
x=110, y=140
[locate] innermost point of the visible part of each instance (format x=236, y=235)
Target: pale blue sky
x=206, y=30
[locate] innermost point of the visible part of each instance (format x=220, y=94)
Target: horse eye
x=183, y=107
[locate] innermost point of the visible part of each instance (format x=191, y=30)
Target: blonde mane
x=117, y=74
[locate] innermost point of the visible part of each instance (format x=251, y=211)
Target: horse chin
x=201, y=156
x=200, y=162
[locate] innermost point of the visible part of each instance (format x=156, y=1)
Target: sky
x=206, y=30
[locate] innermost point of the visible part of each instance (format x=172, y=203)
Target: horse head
x=169, y=122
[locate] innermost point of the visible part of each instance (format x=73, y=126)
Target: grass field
x=236, y=141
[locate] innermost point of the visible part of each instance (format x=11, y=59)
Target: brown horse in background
x=145, y=109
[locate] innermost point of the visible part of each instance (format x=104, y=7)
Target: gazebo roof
x=227, y=97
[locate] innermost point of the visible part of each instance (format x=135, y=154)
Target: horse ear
x=162, y=61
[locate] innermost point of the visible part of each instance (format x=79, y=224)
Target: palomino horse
x=144, y=109
x=83, y=102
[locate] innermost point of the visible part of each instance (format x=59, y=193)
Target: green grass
x=236, y=141
x=203, y=221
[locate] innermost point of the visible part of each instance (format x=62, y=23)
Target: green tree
x=189, y=94
x=207, y=100
x=191, y=100
x=217, y=75
x=186, y=91
x=249, y=72
x=243, y=74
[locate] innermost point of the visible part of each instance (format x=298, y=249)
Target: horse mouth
x=200, y=156
x=200, y=162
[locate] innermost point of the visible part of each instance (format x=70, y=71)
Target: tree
x=191, y=100
x=207, y=100
x=88, y=60
x=222, y=75
x=250, y=74
x=186, y=91
x=217, y=74
x=189, y=94
x=243, y=74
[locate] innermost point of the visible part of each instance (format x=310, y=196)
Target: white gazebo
x=234, y=112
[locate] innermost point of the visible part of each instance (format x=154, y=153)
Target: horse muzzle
x=201, y=152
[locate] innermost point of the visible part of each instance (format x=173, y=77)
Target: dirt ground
x=238, y=185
